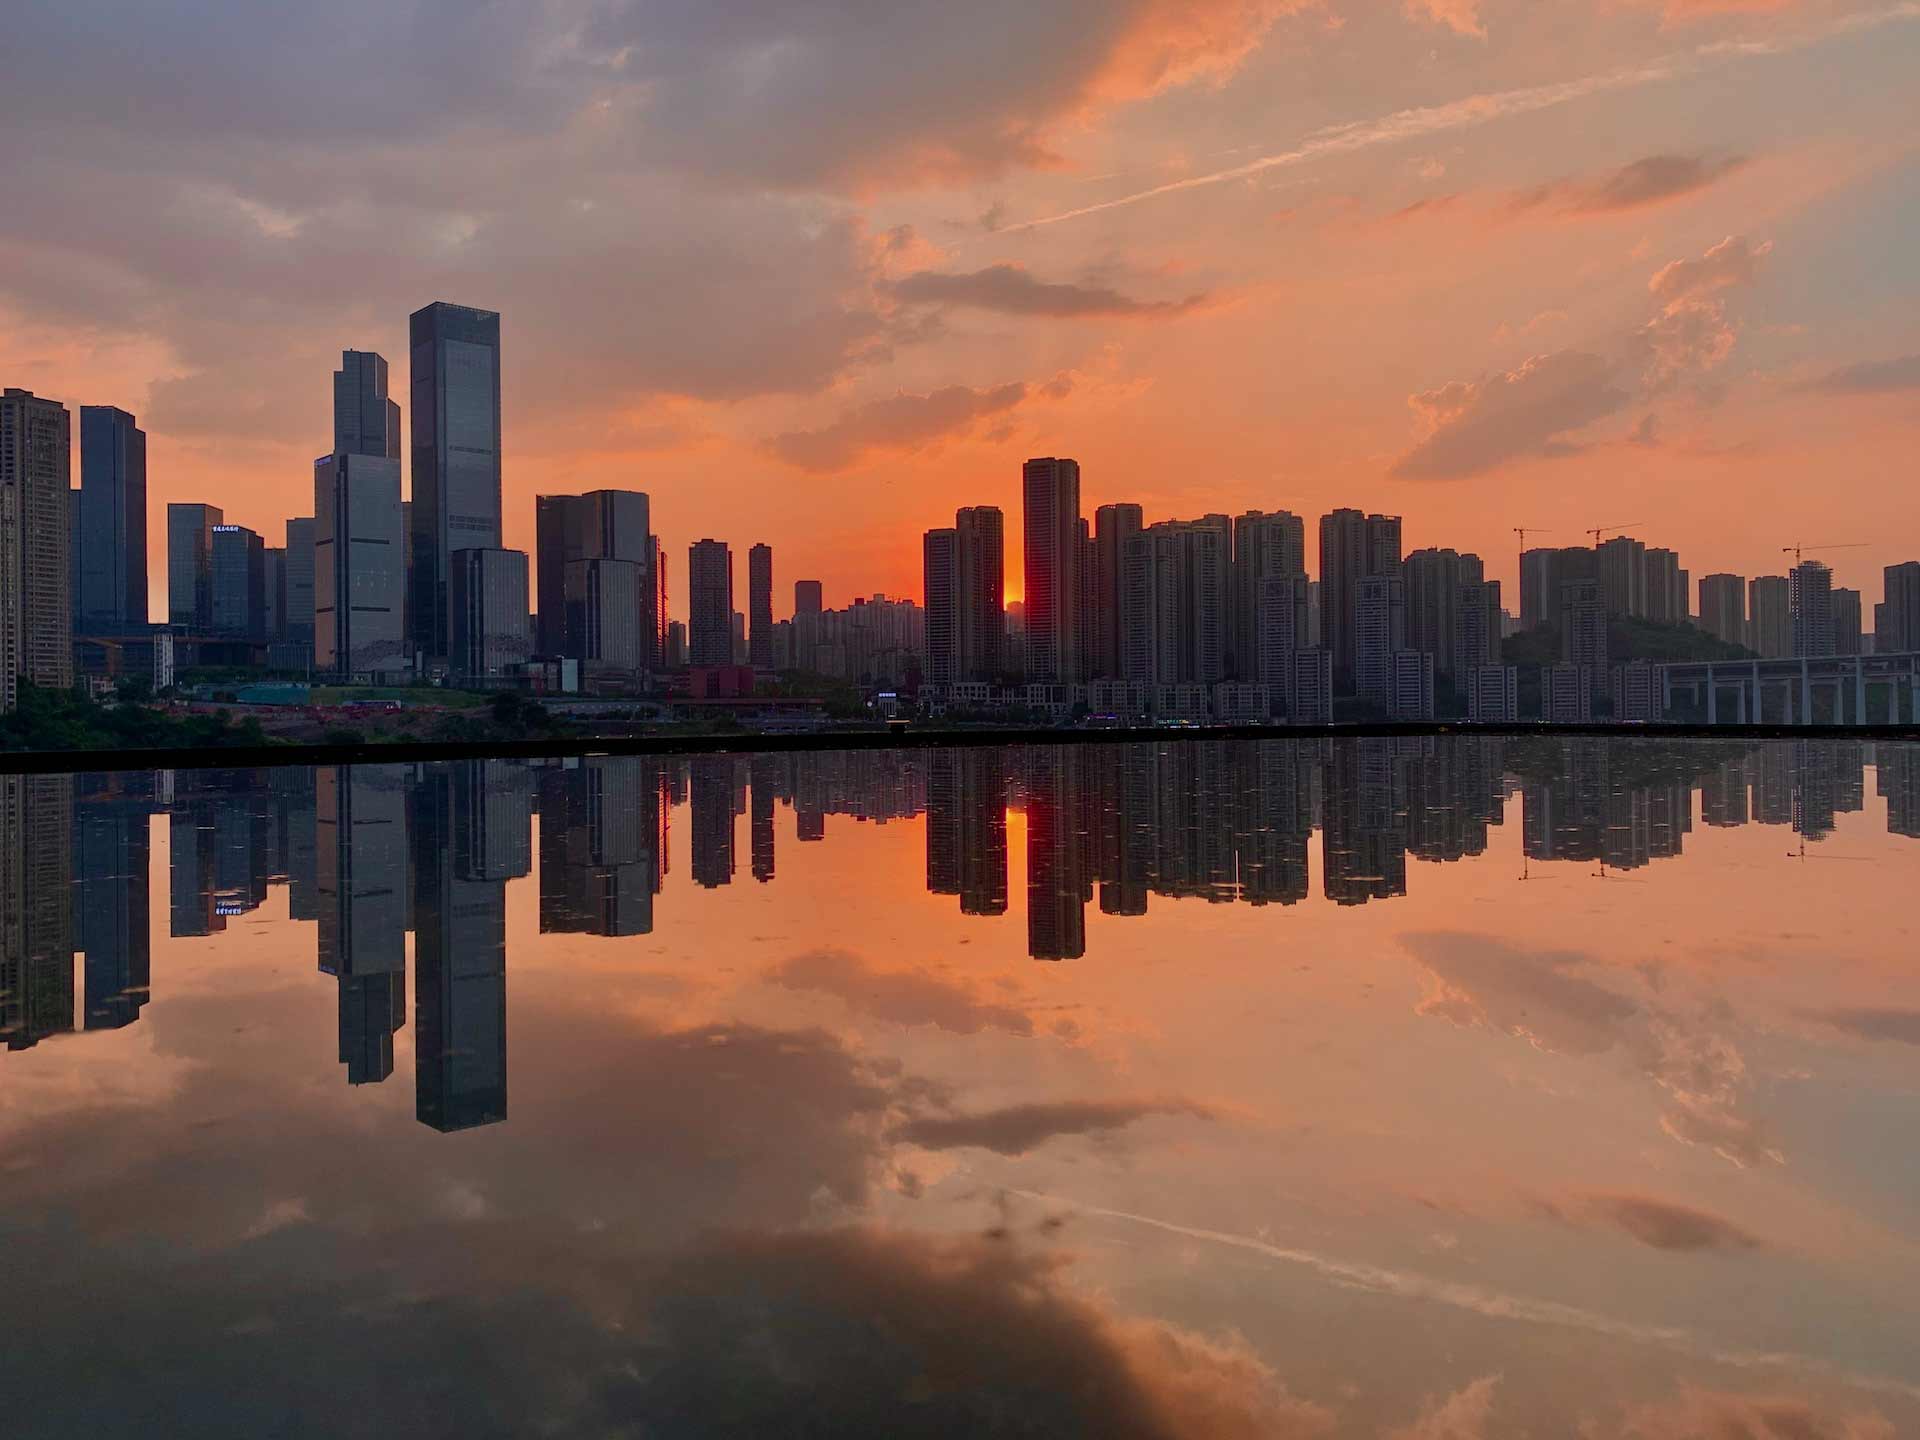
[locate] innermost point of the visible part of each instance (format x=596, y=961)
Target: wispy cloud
x=905, y=423
x=1477, y=110
x=1013, y=290
x=1872, y=377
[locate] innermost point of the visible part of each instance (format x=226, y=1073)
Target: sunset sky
x=816, y=271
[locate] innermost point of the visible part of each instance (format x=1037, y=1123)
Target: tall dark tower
x=111, y=538
x=1052, y=544
x=760, y=607
x=456, y=455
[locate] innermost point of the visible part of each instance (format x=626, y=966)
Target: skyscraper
x=1666, y=599
x=297, y=621
x=1846, y=622
x=709, y=604
x=190, y=564
x=1622, y=563
x=456, y=454
x=1264, y=545
x=488, y=599
x=939, y=569
x=239, y=578
x=599, y=525
x=36, y=578
x=604, y=625
x=1723, y=607
x=760, y=607
x=1434, y=580
x=359, y=567
x=1282, y=630
x=980, y=592
x=806, y=597
x=365, y=421
x=1810, y=594
x=1583, y=627
x=1051, y=542
x=1113, y=527
x=1476, y=629
x=1353, y=546
x=1174, y=616
x=111, y=538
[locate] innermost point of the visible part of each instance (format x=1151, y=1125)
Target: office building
x=239, y=579
x=760, y=607
x=599, y=525
x=1410, y=696
x=36, y=576
x=1810, y=597
x=1353, y=547
x=1051, y=542
x=1379, y=632
x=492, y=637
x=1113, y=527
x=1847, y=638
x=1566, y=694
x=938, y=593
x=297, y=621
x=605, y=627
x=980, y=592
x=359, y=568
x=455, y=414
x=1311, y=701
x=1493, y=694
x=1770, y=617
x=709, y=604
x=1723, y=607
x=1175, y=618
x=1265, y=545
x=190, y=564
x=365, y=420
x=110, y=539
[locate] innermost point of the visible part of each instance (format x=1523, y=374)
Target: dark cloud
x=1017, y=1129
x=1874, y=1023
x=1661, y=1224
x=1478, y=425
x=1872, y=377
x=904, y=423
x=1651, y=180
x=1012, y=290
x=903, y=997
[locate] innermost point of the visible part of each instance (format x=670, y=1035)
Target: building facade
x=492, y=632
x=709, y=604
x=760, y=607
x=359, y=568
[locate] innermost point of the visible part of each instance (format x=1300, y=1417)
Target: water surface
x=1428, y=1089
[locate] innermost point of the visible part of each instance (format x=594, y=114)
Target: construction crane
x=1525, y=530
x=1796, y=550
x=1597, y=531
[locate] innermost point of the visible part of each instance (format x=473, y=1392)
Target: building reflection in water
x=372, y=852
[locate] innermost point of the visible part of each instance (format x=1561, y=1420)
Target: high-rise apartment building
x=940, y=564
x=359, y=567
x=806, y=597
x=1476, y=627
x=1493, y=694
x=239, y=579
x=1175, y=611
x=1265, y=544
x=455, y=407
x=1566, y=693
x=760, y=607
x=1542, y=573
x=190, y=564
x=1622, y=565
x=1353, y=547
x=1897, y=617
x=1379, y=633
x=1810, y=597
x=1433, y=582
x=709, y=604
x=1282, y=629
x=1847, y=638
x=365, y=420
x=1666, y=589
x=980, y=592
x=1051, y=543
x=1410, y=687
x=1723, y=607
x=492, y=630
x=1770, y=617
x=1583, y=627
x=36, y=578
x=110, y=540
x=1113, y=527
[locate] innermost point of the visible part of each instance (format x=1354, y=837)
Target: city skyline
x=1478, y=265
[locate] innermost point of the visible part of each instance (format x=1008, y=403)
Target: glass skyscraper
x=456, y=455
x=110, y=541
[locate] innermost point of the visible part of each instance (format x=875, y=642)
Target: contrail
x=1493, y=1304
x=1483, y=109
